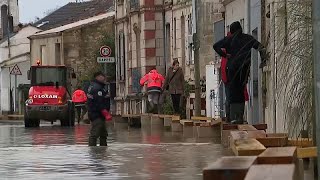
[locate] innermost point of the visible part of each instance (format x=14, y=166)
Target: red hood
x=47, y=94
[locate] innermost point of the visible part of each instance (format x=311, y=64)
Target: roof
x=74, y=25
x=73, y=12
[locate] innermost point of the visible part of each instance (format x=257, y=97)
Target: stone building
x=150, y=34
x=75, y=45
x=18, y=54
x=9, y=15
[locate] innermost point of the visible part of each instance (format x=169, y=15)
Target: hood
x=47, y=94
x=235, y=27
x=154, y=74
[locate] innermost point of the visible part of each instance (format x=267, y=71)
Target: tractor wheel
x=36, y=122
x=69, y=119
x=28, y=123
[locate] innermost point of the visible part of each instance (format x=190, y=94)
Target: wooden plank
x=165, y=116
x=274, y=141
x=278, y=155
x=257, y=134
x=186, y=122
x=310, y=152
x=300, y=142
x=225, y=138
x=236, y=135
x=131, y=115
x=205, y=124
x=261, y=126
x=176, y=118
x=198, y=118
x=277, y=134
x=271, y=172
x=216, y=122
x=247, y=147
x=196, y=123
x=229, y=127
x=246, y=128
x=226, y=168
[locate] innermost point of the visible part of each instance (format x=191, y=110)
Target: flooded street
x=52, y=152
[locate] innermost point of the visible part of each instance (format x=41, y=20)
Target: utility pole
x=9, y=57
x=197, y=103
x=316, y=67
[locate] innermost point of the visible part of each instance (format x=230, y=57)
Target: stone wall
x=81, y=47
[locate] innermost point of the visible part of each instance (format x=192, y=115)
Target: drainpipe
x=316, y=66
x=164, y=36
x=248, y=16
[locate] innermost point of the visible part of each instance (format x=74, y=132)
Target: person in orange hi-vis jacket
x=79, y=98
x=154, y=81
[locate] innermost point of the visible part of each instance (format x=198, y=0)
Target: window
x=58, y=53
x=168, y=45
x=134, y=4
x=190, y=24
x=191, y=60
x=175, y=33
x=183, y=42
x=242, y=23
x=43, y=53
x=122, y=57
x=50, y=76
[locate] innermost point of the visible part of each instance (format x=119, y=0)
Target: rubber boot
x=155, y=109
x=92, y=141
x=103, y=141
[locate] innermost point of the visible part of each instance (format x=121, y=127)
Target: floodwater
x=52, y=152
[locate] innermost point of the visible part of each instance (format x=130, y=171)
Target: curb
x=11, y=117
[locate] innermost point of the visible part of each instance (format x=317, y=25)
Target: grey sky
x=29, y=9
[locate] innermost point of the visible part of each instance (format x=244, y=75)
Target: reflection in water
x=52, y=152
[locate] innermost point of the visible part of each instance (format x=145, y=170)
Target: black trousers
x=98, y=130
x=237, y=112
x=227, y=102
x=81, y=107
x=176, y=99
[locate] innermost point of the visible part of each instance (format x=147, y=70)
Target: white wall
x=5, y=81
x=212, y=83
x=19, y=44
x=49, y=46
x=235, y=11
x=20, y=49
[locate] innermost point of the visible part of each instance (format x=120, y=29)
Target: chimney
x=4, y=20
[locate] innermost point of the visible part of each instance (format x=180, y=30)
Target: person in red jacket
x=79, y=98
x=154, y=82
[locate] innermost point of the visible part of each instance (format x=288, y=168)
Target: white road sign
x=105, y=60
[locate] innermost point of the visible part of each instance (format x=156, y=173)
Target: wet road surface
x=52, y=152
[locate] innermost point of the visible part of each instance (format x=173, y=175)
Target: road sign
x=105, y=60
x=105, y=51
x=15, y=70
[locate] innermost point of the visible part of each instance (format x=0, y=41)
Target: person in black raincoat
x=238, y=47
x=98, y=107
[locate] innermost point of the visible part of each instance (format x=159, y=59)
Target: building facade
x=9, y=15
x=18, y=54
x=150, y=34
x=76, y=45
